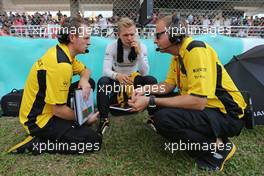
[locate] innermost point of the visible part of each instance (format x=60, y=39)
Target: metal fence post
x=1, y=7
x=74, y=7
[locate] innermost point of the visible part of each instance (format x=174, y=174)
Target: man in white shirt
x=206, y=22
x=227, y=22
x=125, y=63
x=102, y=23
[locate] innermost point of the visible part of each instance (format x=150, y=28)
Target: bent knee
x=104, y=80
x=151, y=80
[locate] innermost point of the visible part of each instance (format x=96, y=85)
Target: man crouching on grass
x=45, y=110
x=209, y=107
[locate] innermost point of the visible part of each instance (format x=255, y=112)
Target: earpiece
x=86, y=51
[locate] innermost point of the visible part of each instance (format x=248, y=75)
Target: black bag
x=10, y=103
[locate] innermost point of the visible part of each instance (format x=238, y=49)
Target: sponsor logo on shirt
x=65, y=83
x=196, y=70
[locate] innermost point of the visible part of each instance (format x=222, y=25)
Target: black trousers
x=64, y=136
x=193, y=126
x=107, y=96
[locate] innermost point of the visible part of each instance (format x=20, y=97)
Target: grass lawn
x=129, y=148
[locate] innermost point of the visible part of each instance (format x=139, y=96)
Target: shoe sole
x=153, y=127
x=21, y=144
x=230, y=154
x=104, y=129
x=150, y=123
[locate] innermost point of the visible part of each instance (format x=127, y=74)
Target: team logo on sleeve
x=64, y=86
x=65, y=83
x=40, y=63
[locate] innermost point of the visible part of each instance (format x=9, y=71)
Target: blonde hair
x=167, y=20
x=125, y=22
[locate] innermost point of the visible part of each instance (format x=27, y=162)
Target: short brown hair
x=67, y=25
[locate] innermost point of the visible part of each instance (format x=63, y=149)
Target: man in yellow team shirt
x=208, y=107
x=45, y=110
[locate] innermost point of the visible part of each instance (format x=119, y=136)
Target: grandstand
x=121, y=7
x=239, y=15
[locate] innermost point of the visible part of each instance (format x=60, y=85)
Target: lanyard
x=179, y=75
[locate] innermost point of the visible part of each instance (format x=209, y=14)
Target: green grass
x=129, y=148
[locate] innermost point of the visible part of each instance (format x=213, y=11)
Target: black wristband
x=152, y=103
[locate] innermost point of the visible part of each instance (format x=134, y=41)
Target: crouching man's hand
x=93, y=119
x=139, y=103
x=86, y=88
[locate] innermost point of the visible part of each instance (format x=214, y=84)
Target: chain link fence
x=41, y=18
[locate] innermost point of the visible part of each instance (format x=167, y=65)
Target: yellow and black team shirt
x=47, y=84
x=198, y=71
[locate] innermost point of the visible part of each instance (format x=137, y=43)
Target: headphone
x=174, y=36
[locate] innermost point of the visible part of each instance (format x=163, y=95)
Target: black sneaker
x=28, y=145
x=151, y=123
x=214, y=161
x=104, y=124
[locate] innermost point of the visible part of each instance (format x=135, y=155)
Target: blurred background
x=40, y=18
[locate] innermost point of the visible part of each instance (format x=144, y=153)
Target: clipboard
x=83, y=109
x=119, y=107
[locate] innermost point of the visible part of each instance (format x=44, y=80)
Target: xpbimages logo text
x=116, y=88
x=198, y=30
x=50, y=146
x=192, y=146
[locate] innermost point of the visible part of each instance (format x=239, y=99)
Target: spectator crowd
x=8, y=19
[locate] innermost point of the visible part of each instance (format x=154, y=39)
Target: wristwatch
x=152, y=103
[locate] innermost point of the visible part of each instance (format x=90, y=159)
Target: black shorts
x=194, y=125
x=66, y=137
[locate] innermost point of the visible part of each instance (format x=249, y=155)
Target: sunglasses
x=158, y=34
